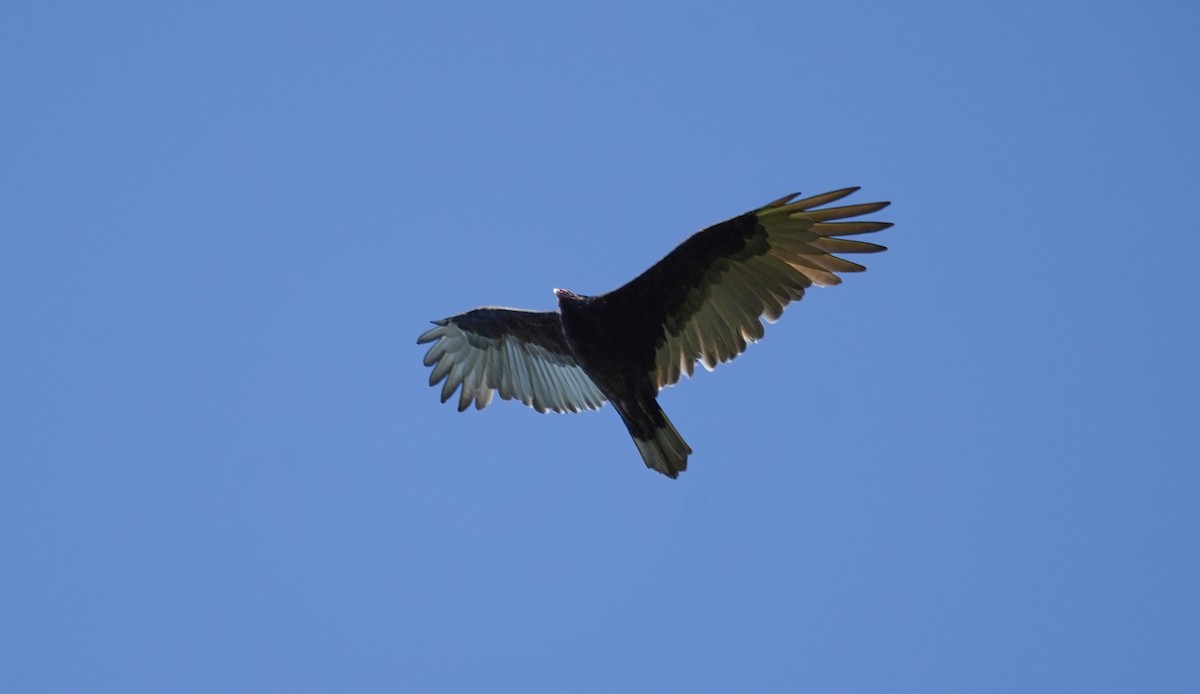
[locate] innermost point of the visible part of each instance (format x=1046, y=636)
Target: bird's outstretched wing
x=520, y=354
x=703, y=301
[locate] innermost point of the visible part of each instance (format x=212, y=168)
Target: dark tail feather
x=660, y=444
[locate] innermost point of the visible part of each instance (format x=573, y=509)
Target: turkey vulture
x=702, y=302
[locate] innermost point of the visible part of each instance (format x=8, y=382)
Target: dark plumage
x=702, y=302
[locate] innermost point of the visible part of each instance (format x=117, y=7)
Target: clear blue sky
x=973, y=468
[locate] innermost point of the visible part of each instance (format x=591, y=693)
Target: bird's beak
x=559, y=292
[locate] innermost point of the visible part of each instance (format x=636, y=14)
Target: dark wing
x=521, y=354
x=704, y=300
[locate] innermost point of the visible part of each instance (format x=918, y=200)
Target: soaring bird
x=701, y=303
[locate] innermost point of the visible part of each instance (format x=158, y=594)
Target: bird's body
x=702, y=302
x=619, y=362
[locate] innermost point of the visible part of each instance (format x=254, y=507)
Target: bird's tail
x=658, y=441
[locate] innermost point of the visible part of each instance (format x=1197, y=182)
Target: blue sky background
x=972, y=468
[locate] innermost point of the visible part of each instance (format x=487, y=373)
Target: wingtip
x=431, y=334
x=790, y=205
x=781, y=201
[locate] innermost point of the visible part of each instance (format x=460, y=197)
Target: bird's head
x=568, y=298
